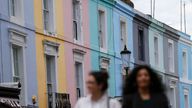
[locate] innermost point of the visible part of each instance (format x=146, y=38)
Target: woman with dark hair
x=144, y=89
x=97, y=85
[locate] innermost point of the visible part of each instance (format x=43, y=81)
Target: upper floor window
x=141, y=45
x=48, y=16
x=16, y=11
x=123, y=33
x=156, y=50
x=77, y=20
x=102, y=28
x=184, y=64
x=171, y=55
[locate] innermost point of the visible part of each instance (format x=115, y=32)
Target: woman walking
x=97, y=85
x=143, y=89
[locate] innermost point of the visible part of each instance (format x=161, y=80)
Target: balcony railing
x=60, y=100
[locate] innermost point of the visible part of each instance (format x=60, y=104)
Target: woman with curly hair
x=143, y=89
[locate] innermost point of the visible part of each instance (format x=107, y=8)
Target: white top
x=86, y=102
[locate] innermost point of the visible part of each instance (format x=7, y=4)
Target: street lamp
x=125, y=56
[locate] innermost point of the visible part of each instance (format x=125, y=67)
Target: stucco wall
x=94, y=40
x=29, y=51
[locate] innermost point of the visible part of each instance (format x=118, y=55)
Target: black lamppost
x=125, y=56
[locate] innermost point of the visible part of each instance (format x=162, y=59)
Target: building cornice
x=124, y=8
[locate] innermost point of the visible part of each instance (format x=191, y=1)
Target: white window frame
x=186, y=93
x=185, y=74
x=171, y=69
x=156, y=51
x=52, y=23
x=19, y=12
x=125, y=37
x=18, y=39
x=51, y=49
x=79, y=24
x=79, y=57
x=104, y=49
x=173, y=86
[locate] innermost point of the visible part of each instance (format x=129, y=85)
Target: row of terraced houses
x=49, y=46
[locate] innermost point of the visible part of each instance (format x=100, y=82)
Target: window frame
x=18, y=18
x=156, y=50
x=125, y=37
x=51, y=18
x=51, y=49
x=104, y=49
x=79, y=58
x=186, y=93
x=78, y=34
x=141, y=56
x=185, y=74
x=18, y=38
x=173, y=86
x=172, y=67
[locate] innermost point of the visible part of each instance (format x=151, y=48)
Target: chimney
x=128, y=2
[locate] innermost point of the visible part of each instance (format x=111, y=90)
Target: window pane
x=184, y=64
x=79, y=78
x=13, y=7
x=141, y=45
x=156, y=50
x=75, y=30
x=16, y=63
x=45, y=4
x=123, y=34
x=102, y=28
x=46, y=20
x=170, y=57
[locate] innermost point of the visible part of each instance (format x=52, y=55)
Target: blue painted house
x=17, y=47
x=185, y=70
x=101, y=38
x=123, y=35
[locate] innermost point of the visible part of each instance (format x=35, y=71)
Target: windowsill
x=186, y=81
x=78, y=42
x=104, y=50
x=17, y=20
x=53, y=34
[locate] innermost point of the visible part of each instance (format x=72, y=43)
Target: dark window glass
x=141, y=45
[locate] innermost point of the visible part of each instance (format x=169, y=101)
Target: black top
x=146, y=103
x=135, y=101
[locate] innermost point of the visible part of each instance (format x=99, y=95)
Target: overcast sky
x=167, y=11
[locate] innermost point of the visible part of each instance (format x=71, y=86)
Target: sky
x=167, y=11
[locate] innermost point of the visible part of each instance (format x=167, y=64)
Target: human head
x=143, y=76
x=97, y=82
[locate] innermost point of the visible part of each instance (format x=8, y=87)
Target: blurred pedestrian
x=97, y=85
x=144, y=89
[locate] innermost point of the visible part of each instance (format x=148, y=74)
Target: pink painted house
x=77, y=47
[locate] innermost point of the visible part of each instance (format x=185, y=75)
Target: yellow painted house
x=51, y=72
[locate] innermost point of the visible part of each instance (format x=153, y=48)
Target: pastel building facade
x=123, y=35
x=170, y=50
x=77, y=47
x=50, y=52
x=17, y=47
x=101, y=38
x=140, y=38
x=184, y=67
x=156, y=55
